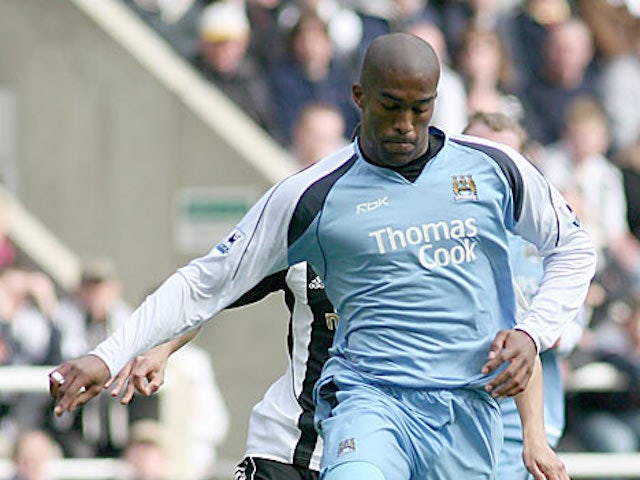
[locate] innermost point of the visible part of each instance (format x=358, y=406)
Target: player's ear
x=358, y=94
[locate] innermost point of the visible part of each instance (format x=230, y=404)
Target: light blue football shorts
x=407, y=434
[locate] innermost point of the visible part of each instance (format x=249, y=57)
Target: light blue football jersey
x=418, y=271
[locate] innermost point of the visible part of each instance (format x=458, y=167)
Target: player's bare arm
x=539, y=458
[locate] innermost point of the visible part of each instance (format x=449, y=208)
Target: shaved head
x=396, y=95
x=399, y=54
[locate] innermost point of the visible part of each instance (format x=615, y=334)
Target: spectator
x=577, y=165
x=620, y=91
x=488, y=74
x=460, y=16
x=566, y=75
x=85, y=318
x=344, y=26
x=497, y=127
x=145, y=455
x=311, y=74
x=617, y=35
x=35, y=300
x=174, y=20
x=267, y=40
x=32, y=453
x=94, y=310
x=27, y=337
x=223, y=59
x=450, y=112
x=318, y=132
x=527, y=30
x=615, y=27
x=13, y=294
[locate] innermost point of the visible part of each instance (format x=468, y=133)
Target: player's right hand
x=75, y=382
x=145, y=373
x=517, y=350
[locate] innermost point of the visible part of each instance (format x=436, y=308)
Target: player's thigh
x=254, y=468
x=510, y=463
x=364, y=428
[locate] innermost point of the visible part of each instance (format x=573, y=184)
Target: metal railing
x=76, y=469
x=173, y=416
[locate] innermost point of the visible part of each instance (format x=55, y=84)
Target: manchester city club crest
x=464, y=188
x=346, y=446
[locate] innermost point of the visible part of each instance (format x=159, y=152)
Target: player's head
x=396, y=94
x=497, y=127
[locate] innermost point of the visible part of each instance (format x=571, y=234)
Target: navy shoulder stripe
x=312, y=200
x=508, y=167
x=272, y=283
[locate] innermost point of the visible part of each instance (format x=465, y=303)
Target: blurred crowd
x=568, y=71
x=42, y=325
x=528, y=58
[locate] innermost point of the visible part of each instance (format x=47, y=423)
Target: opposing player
x=282, y=442
x=408, y=229
x=527, y=272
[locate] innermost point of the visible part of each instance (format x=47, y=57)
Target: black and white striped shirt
x=281, y=424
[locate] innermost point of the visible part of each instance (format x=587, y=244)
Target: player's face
x=396, y=111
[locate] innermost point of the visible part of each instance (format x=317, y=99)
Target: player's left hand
x=543, y=463
x=145, y=373
x=518, y=349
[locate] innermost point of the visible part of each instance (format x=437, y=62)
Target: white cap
x=224, y=21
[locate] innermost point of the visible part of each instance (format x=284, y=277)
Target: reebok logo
x=373, y=205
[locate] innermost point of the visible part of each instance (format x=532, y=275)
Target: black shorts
x=254, y=468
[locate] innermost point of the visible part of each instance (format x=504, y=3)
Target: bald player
x=407, y=228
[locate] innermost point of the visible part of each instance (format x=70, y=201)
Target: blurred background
x=135, y=133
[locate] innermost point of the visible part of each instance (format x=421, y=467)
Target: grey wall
x=101, y=147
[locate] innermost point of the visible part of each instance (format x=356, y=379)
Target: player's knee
x=354, y=471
